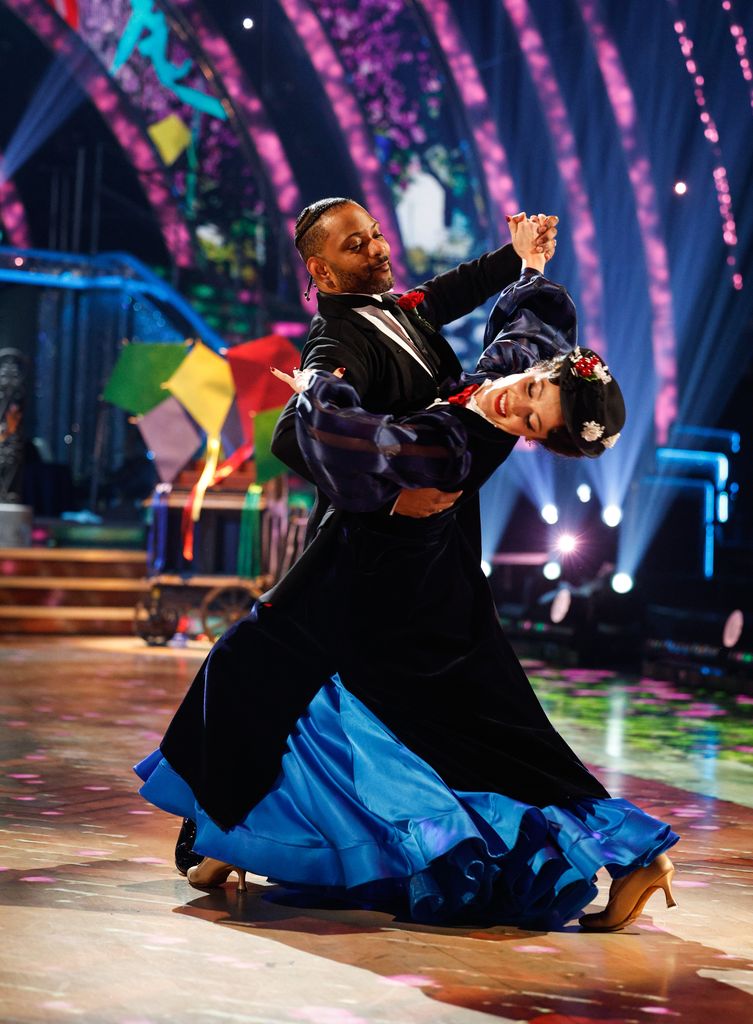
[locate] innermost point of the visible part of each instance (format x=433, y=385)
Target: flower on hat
x=411, y=299
x=591, y=430
x=589, y=367
x=610, y=442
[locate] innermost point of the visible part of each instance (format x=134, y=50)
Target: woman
x=421, y=772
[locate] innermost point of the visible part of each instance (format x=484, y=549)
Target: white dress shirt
x=397, y=334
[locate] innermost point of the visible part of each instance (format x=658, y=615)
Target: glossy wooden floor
x=98, y=927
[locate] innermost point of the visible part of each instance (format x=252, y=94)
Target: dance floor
x=98, y=926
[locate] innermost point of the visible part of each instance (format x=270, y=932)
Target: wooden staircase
x=70, y=590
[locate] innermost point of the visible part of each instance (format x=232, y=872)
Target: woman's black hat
x=591, y=401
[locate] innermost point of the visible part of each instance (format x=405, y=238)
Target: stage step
x=69, y=620
x=61, y=591
x=75, y=562
x=71, y=591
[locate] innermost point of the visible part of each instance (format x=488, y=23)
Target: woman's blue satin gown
x=354, y=811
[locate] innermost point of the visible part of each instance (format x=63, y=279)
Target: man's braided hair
x=309, y=233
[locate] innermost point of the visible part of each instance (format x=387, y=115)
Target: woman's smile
x=527, y=405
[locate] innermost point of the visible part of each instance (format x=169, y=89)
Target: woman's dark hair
x=560, y=442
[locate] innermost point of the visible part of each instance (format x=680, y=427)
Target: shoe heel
x=666, y=885
x=211, y=874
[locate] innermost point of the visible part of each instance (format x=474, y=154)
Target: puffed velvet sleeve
x=362, y=460
x=534, y=319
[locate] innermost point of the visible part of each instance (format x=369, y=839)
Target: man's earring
x=309, y=286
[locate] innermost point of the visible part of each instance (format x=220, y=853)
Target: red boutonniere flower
x=411, y=299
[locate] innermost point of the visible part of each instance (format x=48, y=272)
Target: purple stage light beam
x=13, y=215
x=711, y=133
x=534, y=472
x=55, y=98
x=332, y=75
x=647, y=212
x=94, y=80
x=570, y=169
x=250, y=111
x=490, y=151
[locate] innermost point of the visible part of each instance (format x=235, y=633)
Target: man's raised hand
x=545, y=238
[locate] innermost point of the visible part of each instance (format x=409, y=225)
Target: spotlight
x=722, y=507
x=584, y=493
x=566, y=543
x=248, y=23
x=549, y=514
x=612, y=515
x=552, y=570
x=560, y=606
x=486, y=568
x=733, y=628
x=680, y=188
x=19, y=261
x=622, y=583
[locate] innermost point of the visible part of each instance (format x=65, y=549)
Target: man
x=395, y=359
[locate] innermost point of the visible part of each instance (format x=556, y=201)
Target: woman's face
x=524, y=404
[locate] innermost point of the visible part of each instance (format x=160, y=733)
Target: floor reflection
x=700, y=740
x=99, y=926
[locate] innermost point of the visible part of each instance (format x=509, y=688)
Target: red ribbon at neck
x=463, y=397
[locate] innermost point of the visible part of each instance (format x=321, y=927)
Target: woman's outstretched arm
x=362, y=460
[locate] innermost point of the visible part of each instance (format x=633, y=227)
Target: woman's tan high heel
x=212, y=873
x=629, y=895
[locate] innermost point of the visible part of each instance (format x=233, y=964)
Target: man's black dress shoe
x=185, y=857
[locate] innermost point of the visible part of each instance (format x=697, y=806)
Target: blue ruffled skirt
x=355, y=811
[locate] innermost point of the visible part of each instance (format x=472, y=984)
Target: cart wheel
x=223, y=606
x=154, y=622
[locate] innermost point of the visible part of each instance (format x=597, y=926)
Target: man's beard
x=372, y=283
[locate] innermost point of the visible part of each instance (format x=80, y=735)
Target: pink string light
x=333, y=78
x=741, y=46
x=13, y=215
x=491, y=153
x=570, y=169
x=711, y=133
x=647, y=213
